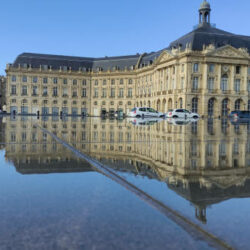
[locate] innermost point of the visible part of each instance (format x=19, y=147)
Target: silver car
x=141, y=112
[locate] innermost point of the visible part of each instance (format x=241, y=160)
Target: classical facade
x=206, y=71
x=2, y=91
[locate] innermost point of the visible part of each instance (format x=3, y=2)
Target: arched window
x=224, y=107
x=210, y=108
x=237, y=104
x=224, y=82
x=195, y=105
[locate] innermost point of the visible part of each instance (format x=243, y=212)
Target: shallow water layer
x=52, y=199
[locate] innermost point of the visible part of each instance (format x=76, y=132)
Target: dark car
x=240, y=114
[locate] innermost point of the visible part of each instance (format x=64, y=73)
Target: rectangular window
x=65, y=92
x=121, y=81
x=74, y=93
x=112, y=94
x=112, y=81
x=121, y=92
x=74, y=82
x=210, y=84
x=130, y=92
x=45, y=80
x=237, y=85
x=237, y=69
x=55, y=80
x=65, y=81
x=211, y=68
x=55, y=91
x=24, y=90
x=84, y=92
x=34, y=79
x=13, y=89
x=195, y=67
x=104, y=92
x=13, y=78
x=24, y=79
x=34, y=91
x=248, y=85
x=104, y=82
x=195, y=83
x=45, y=91
x=96, y=92
x=84, y=82
x=96, y=82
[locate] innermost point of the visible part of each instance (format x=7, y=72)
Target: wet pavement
x=51, y=198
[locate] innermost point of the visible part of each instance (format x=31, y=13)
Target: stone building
x=2, y=91
x=206, y=71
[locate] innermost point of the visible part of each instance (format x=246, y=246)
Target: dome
x=205, y=5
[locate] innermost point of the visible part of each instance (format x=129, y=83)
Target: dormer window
x=45, y=67
x=195, y=67
x=237, y=69
x=65, y=68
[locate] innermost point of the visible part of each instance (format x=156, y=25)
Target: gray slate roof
x=203, y=35
x=206, y=34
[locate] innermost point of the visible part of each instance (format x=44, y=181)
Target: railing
x=196, y=90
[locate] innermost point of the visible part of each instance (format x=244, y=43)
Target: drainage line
x=190, y=227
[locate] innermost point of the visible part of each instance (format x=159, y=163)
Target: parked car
x=183, y=113
x=169, y=111
x=238, y=114
x=141, y=112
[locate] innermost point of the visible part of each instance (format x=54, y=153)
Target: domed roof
x=205, y=5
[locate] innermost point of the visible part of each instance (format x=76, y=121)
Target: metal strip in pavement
x=190, y=227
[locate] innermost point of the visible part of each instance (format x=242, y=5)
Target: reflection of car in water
x=145, y=121
x=181, y=121
x=239, y=117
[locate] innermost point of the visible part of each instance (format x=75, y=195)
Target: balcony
x=170, y=91
x=225, y=92
x=34, y=94
x=196, y=90
x=164, y=92
x=212, y=91
x=45, y=94
x=65, y=95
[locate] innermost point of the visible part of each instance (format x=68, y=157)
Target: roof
x=75, y=63
x=206, y=34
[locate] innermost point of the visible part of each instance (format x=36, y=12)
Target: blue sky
x=99, y=28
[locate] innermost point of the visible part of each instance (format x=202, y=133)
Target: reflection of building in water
x=2, y=133
x=207, y=70
x=206, y=161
